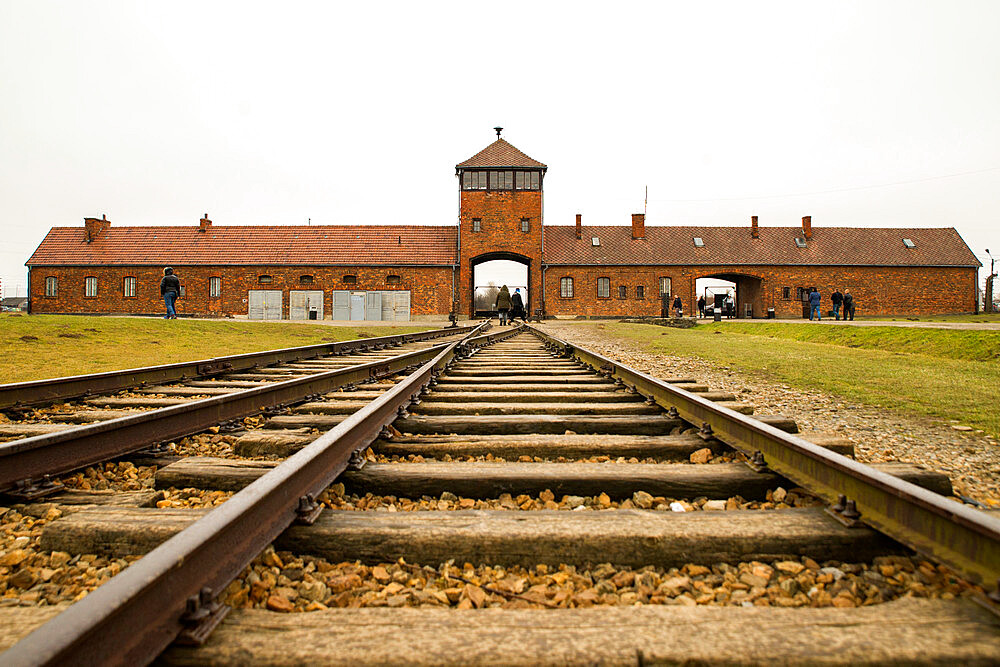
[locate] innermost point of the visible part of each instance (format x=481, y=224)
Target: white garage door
x=396, y=306
x=303, y=302
x=264, y=304
x=341, y=305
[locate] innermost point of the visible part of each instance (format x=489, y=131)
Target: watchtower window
x=525, y=225
x=350, y=279
x=526, y=180
x=477, y=224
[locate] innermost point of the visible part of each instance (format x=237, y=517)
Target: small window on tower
x=534, y=180
x=350, y=279
x=477, y=224
x=525, y=225
x=519, y=180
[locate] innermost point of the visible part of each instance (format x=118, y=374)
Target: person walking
x=503, y=304
x=837, y=299
x=701, y=306
x=730, y=306
x=848, y=305
x=678, y=307
x=170, y=288
x=516, y=305
x=815, y=302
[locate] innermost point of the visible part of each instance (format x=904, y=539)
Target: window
x=50, y=286
x=264, y=280
x=90, y=286
x=802, y=293
x=525, y=225
x=640, y=292
x=664, y=286
x=800, y=242
x=128, y=286
x=594, y=241
x=622, y=291
x=909, y=243
x=477, y=224
x=699, y=242
x=604, y=287
x=566, y=288
x=215, y=287
x=786, y=292
x=183, y=292
x=474, y=180
x=350, y=279
x=305, y=279
x=393, y=280
x=501, y=180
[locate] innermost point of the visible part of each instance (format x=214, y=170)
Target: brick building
x=411, y=272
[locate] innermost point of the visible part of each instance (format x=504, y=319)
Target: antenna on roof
x=309, y=222
x=645, y=201
x=499, y=130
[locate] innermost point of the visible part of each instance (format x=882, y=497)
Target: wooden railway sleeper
x=202, y=613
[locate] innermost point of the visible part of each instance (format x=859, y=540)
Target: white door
x=302, y=302
x=357, y=305
x=264, y=304
x=402, y=306
x=341, y=305
x=388, y=306
x=373, y=305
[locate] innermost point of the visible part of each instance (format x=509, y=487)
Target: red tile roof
x=354, y=244
x=500, y=154
x=830, y=246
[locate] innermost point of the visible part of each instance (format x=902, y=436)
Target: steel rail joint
x=37, y=392
x=132, y=618
x=64, y=451
x=963, y=538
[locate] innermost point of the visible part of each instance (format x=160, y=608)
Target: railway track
x=614, y=517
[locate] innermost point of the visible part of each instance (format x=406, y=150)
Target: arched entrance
x=487, y=272
x=749, y=295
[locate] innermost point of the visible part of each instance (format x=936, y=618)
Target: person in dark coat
x=815, y=302
x=503, y=304
x=517, y=305
x=701, y=306
x=848, y=304
x=837, y=299
x=678, y=307
x=170, y=289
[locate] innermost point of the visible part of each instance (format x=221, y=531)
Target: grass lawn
x=993, y=318
x=944, y=374
x=46, y=346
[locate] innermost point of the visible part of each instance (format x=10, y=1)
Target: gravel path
x=970, y=458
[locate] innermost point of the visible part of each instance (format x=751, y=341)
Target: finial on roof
x=498, y=129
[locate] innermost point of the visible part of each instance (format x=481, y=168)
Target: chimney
x=204, y=224
x=638, y=225
x=754, y=232
x=807, y=226
x=579, y=225
x=93, y=227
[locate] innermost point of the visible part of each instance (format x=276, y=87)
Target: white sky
x=154, y=113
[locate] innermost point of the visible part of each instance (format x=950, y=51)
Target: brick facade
x=430, y=287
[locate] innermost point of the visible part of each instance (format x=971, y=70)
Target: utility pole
x=989, y=284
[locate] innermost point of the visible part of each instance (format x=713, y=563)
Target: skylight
x=909, y=243
x=800, y=242
x=595, y=241
x=698, y=242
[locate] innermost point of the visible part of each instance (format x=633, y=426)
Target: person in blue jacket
x=814, y=304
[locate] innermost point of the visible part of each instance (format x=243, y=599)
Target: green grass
x=919, y=372
x=990, y=318
x=46, y=346
x=971, y=345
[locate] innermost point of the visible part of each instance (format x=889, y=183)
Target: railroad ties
x=522, y=461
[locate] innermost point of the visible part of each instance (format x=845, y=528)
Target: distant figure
x=837, y=299
x=730, y=306
x=503, y=304
x=170, y=288
x=701, y=306
x=678, y=307
x=848, y=304
x=517, y=305
x=814, y=305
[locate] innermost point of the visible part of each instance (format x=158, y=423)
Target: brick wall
x=430, y=287
x=898, y=291
x=501, y=213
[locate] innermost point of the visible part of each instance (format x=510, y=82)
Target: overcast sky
x=857, y=113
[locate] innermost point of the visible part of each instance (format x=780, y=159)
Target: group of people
x=510, y=306
x=845, y=301
x=728, y=306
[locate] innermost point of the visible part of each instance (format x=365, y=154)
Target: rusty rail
x=171, y=591
x=36, y=392
x=946, y=531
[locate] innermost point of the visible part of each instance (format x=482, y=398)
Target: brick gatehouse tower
x=500, y=217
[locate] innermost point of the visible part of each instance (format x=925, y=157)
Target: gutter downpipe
x=458, y=250
x=542, y=259
x=29, y=290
